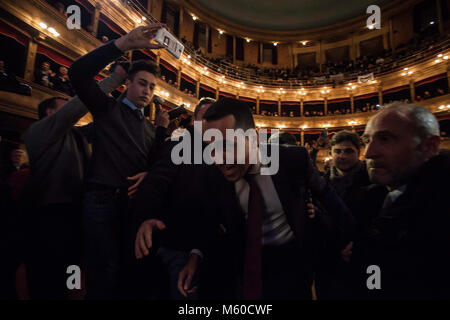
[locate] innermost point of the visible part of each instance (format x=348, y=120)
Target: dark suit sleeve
x=87, y=131
x=153, y=191
x=83, y=71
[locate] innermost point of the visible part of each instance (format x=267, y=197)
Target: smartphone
x=165, y=38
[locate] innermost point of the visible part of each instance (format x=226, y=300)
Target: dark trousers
x=54, y=242
x=109, y=242
x=285, y=273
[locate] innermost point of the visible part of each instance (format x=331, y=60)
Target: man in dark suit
x=409, y=239
x=179, y=216
x=273, y=256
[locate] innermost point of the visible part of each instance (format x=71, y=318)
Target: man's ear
x=430, y=146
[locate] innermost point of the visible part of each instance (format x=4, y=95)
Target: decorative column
x=441, y=20
x=178, y=78
x=234, y=49
x=352, y=47
x=217, y=93
x=325, y=106
x=207, y=38
x=302, y=137
x=257, y=105
x=380, y=95
x=180, y=24
x=301, y=107
x=412, y=90
x=261, y=57
x=320, y=56
x=352, y=103
x=158, y=57
x=30, y=60
x=197, y=88
x=391, y=35
x=279, y=107
x=96, y=18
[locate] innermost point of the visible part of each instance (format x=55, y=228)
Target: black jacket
x=409, y=240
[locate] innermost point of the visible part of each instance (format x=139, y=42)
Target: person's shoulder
x=435, y=172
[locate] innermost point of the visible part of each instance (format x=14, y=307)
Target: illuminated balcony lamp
x=248, y=40
x=275, y=44
x=194, y=18
x=144, y=18
x=138, y=21
x=53, y=31
x=437, y=61
x=445, y=57
x=43, y=25
x=221, y=31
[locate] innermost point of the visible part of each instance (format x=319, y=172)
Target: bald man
x=408, y=239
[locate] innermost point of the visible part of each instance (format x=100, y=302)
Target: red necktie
x=253, y=255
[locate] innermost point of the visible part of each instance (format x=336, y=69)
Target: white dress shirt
x=276, y=229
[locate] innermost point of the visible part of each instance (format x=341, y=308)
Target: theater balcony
x=329, y=75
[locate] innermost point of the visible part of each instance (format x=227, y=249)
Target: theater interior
x=303, y=67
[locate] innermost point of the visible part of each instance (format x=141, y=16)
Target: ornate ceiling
x=287, y=15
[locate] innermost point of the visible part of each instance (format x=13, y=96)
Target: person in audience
x=201, y=107
x=61, y=9
x=62, y=83
x=45, y=75
x=348, y=175
x=408, y=238
x=59, y=154
x=283, y=138
x=125, y=144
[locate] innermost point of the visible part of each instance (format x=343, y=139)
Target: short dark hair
x=346, y=135
x=202, y=102
x=46, y=104
x=229, y=106
x=143, y=65
x=284, y=138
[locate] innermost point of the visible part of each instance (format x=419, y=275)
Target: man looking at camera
x=124, y=146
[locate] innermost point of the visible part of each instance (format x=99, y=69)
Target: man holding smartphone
x=125, y=144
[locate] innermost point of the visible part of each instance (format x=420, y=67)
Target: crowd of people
x=56, y=81
x=150, y=227
x=329, y=72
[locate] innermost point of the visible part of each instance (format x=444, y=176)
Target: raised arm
x=85, y=68
x=45, y=132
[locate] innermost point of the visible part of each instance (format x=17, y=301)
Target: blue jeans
x=106, y=224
